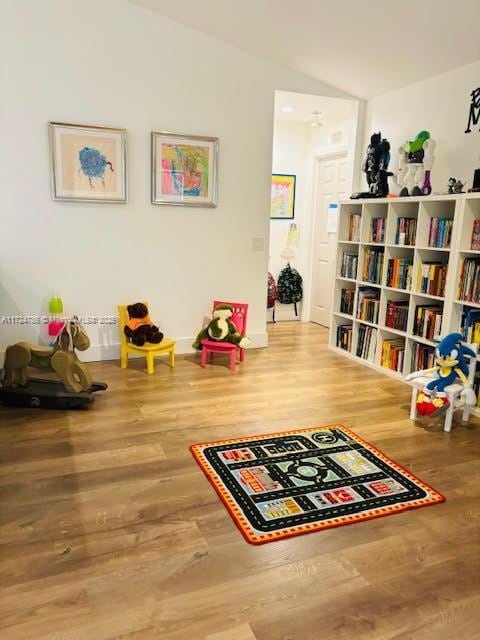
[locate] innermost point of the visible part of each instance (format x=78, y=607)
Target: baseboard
x=99, y=352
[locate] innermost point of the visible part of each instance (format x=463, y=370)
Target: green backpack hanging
x=289, y=286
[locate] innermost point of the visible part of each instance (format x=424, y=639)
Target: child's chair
x=209, y=347
x=150, y=351
x=453, y=392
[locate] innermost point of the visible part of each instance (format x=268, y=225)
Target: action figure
x=415, y=163
x=375, y=167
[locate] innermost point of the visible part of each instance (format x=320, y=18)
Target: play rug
x=285, y=484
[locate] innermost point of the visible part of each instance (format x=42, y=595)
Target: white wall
x=110, y=62
x=290, y=155
x=296, y=145
x=440, y=105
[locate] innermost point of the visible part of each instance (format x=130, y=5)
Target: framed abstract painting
x=88, y=163
x=283, y=197
x=184, y=169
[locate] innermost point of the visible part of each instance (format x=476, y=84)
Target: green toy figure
x=221, y=329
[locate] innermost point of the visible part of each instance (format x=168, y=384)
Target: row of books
x=423, y=357
x=406, y=231
x=399, y=273
x=354, y=227
x=377, y=230
x=476, y=235
x=346, y=301
x=393, y=354
x=348, y=268
x=427, y=322
x=373, y=265
x=397, y=314
x=471, y=325
x=440, y=234
x=367, y=343
x=469, y=285
x=368, y=304
x=344, y=336
x=431, y=278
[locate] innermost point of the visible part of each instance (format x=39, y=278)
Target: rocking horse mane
x=71, y=327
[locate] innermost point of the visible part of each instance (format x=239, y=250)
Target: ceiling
x=363, y=48
x=301, y=107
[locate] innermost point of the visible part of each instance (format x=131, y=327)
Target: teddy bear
x=222, y=329
x=139, y=328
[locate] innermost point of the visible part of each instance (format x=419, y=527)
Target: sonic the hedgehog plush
x=450, y=364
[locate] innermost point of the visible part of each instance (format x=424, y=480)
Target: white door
x=329, y=187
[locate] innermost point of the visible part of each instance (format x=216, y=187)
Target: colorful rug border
x=243, y=526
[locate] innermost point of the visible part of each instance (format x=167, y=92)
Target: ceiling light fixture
x=287, y=109
x=317, y=121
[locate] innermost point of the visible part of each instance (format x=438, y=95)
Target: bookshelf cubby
x=405, y=220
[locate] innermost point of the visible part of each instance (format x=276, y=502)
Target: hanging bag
x=290, y=289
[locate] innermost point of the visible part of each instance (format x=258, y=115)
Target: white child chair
x=454, y=392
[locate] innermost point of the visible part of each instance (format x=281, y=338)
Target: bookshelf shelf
x=454, y=216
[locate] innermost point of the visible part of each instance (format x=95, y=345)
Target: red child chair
x=239, y=319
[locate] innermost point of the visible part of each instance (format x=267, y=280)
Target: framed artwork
x=184, y=169
x=89, y=164
x=283, y=197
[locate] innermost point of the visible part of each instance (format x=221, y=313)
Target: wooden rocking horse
x=75, y=387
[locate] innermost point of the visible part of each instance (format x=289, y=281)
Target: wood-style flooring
x=108, y=528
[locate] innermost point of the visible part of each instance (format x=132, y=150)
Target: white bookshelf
x=461, y=209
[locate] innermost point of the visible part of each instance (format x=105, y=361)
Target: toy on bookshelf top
x=375, y=167
x=476, y=181
x=416, y=158
x=455, y=186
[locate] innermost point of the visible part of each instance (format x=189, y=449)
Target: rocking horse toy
x=75, y=387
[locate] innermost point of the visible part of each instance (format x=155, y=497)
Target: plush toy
x=222, y=329
x=450, y=364
x=139, y=328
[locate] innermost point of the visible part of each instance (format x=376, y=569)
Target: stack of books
x=377, y=230
x=354, y=227
x=344, y=336
x=397, y=314
x=431, y=278
x=423, y=357
x=373, y=265
x=393, y=355
x=368, y=304
x=346, y=301
x=471, y=325
x=367, y=342
x=440, y=235
x=428, y=321
x=476, y=235
x=469, y=285
x=399, y=273
x=406, y=231
x=348, y=268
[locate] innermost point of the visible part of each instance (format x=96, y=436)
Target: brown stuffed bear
x=139, y=328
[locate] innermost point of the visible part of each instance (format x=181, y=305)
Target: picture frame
x=184, y=169
x=282, y=203
x=88, y=163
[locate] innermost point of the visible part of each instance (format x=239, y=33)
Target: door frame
x=329, y=154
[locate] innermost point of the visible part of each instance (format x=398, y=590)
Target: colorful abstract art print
x=280, y=485
x=184, y=169
x=283, y=197
x=88, y=163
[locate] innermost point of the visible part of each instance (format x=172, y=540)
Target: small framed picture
x=184, y=169
x=89, y=163
x=283, y=197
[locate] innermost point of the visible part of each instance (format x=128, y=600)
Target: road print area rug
x=285, y=484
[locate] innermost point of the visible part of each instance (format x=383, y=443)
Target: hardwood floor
x=109, y=529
